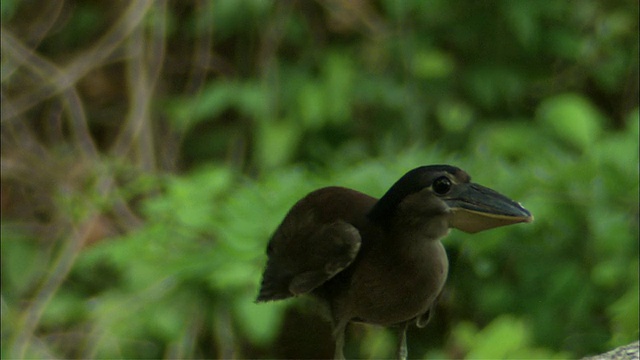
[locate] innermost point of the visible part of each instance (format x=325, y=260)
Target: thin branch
x=77, y=69
x=58, y=273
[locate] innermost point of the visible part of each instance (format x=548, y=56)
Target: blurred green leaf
x=566, y=44
x=8, y=9
x=67, y=308
x=512, y=140
x=277, y=143
x=432, y=64
x=312, y=105
x=501, y=337
x=247, y=98
x=624, y=313
x=230, y=16
x=505, y=337
x=23, y=262
x=454, y=116
x=493, y=87
x=377, y=342
x=260, y=322
x=339, y=83
x=571, y=118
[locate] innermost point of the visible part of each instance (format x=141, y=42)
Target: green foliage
x=571, y=118
x=8, y=9
x=535, y=99
x=505, y=337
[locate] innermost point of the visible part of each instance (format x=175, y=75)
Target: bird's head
x=435, y=190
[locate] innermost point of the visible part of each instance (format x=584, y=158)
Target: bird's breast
x=392, y=286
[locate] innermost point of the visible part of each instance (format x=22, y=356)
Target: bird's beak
x=475, y=208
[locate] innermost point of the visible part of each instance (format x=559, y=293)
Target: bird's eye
x=441, y=185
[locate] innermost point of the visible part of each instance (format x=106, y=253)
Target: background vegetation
x=149, y=148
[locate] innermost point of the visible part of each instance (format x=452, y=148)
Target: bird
x=379, y=261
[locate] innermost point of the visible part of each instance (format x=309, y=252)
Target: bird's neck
x=414, y=229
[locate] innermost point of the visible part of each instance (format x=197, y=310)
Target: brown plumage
x=379, y=261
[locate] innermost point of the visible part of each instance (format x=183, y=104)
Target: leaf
x=500, y=338
x=261, y=322
x=276, y=143
x=624, y=315
x=432, y=64
x=339, y=74
x=571, y=118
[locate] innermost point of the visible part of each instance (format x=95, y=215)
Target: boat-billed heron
x=380, y=261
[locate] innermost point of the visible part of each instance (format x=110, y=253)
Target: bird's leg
x=338, y=334
x=402, y=341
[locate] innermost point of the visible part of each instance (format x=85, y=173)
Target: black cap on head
x=411, y=182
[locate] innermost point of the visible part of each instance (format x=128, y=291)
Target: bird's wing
x=301, y=261
x=340, y=243
x=317, y=239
